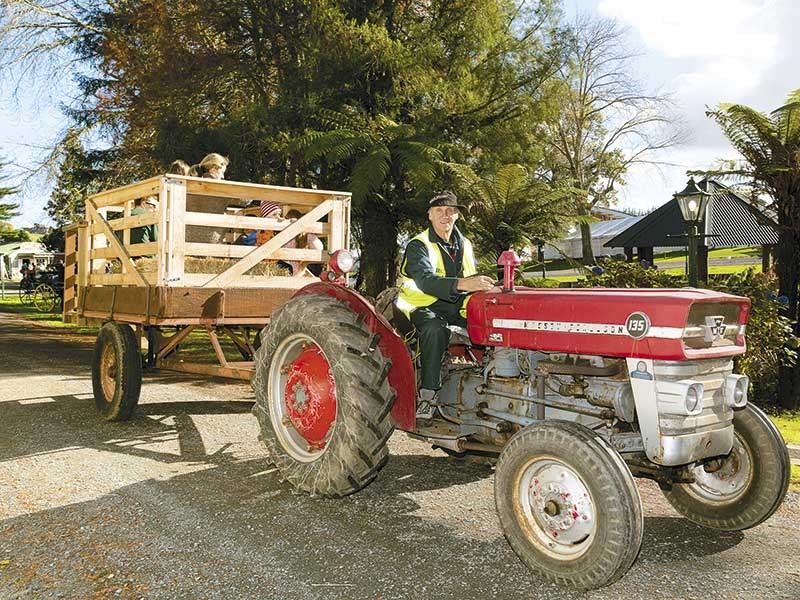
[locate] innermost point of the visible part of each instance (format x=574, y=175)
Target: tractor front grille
x=694, y=333
x=711, y=373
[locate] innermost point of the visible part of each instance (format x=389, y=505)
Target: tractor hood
x=664, y=324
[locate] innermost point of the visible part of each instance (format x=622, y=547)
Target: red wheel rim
x=310, y=396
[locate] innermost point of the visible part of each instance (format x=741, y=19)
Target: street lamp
x=692, y=202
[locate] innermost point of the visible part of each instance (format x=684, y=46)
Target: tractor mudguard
x=401, y=375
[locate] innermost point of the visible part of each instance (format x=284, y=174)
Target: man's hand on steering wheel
x=476, y=283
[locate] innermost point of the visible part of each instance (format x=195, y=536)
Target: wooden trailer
x=191, y=276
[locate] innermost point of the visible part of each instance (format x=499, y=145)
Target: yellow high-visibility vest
x=411, y=297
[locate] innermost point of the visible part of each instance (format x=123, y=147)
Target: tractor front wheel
x=322, y=396
x=568, y=505
x=744, y=488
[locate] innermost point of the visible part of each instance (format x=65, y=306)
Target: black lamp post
x=692, y=202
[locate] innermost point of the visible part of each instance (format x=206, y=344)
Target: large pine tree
x=462, y=81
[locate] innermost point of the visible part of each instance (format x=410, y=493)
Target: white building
x=571, y=246
x=610, y=224
x=13, y=255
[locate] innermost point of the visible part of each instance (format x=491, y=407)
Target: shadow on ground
x=232, y=529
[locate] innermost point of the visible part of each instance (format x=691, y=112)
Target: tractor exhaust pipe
x=464, y=445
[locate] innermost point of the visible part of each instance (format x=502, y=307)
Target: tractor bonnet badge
x=714, y=328
x=637, y=325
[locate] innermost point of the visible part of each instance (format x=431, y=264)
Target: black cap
x=446, y=198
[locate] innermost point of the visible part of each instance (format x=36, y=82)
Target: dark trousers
x=434, y=336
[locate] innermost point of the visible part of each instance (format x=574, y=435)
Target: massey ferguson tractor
x=577, y=391
x=574, y=391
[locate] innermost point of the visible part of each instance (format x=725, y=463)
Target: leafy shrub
x=770, y=340
x=619, y=274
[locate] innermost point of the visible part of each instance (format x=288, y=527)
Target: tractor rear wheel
x=116, y=372
x=745, y=487
x=322, y=396
x=568, y=504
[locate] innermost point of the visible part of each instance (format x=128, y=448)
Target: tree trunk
x=378, y=263
x=788, y=270
x=587, y=254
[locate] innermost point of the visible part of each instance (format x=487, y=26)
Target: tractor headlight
x=736, y=390
x=680, y=397
x=341, y=262
x=694, y=398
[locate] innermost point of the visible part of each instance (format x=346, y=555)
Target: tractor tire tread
x=356, y=449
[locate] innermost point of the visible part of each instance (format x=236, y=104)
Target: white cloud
x=725, y=45
x=707, y=52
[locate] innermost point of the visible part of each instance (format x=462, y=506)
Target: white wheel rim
x=556, y=508
x=730, y=481
x=294, y=443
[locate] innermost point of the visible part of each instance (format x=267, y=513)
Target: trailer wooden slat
x=159, y=293
x=246, y=222
x=126, y=223
x=119, y=196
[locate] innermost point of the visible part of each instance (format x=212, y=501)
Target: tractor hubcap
x=556, y=507
x=302, y=396
x=729, y=478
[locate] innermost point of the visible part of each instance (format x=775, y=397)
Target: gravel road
x=181, y=502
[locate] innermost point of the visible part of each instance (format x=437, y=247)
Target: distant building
x=15, y=254
x=37, y=229
x=609, y=224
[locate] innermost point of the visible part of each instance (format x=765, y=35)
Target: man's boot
x=426, y=403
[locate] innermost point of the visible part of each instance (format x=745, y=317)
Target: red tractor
x=577, y=391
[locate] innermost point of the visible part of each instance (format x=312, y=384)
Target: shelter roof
x=731, y=221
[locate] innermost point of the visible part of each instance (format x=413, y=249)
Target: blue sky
x=700, y=51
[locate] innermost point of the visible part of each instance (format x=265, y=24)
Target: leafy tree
x=511, y=209
x=163, y=80
x=9, y=234
x=387, y=162
x=78, y=173
x=770, y=145
x=606, y=121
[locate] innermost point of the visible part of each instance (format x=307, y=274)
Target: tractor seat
x=384, y=304
x=459, y=335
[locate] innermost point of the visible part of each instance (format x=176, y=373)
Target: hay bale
x=209, y=264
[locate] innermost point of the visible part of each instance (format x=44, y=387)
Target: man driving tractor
x=437, y=274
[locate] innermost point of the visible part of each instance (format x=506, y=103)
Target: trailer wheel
x=568, y=505
x=322, y=396
x=744, y=488
x=116, y=372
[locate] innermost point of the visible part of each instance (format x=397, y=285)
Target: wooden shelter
x=730, y=222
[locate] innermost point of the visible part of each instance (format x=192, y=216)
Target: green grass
x=197, y=346
x=562, y=264
x=789, y=425
x=715, y=269
x=12, y=304
x=718, y=253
